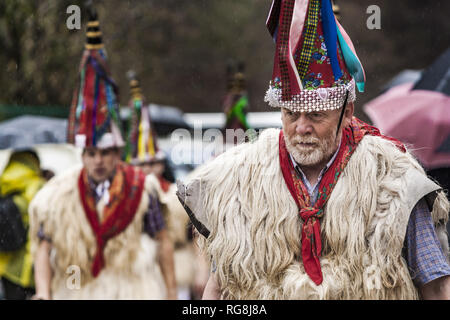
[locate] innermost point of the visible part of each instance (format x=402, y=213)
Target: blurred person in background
x=99, y=232
x=19, y=183
x=235, y=103
x=144, y=153
x=142, y=148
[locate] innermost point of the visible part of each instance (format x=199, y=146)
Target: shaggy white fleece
x=255, y=227
x=131, y=270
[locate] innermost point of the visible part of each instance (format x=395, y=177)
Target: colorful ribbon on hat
x=146, y=147
x=330, y=36
x=333, y=34
x=142, y=135
x=94, y=103
x=310, y=31
x=352, y=62
x=272, y=19
x=285, y=65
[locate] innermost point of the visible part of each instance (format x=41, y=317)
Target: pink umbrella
x=419, y=118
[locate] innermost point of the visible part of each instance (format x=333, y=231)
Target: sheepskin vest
x=185, y=259
x=241, y=202
x=131, y=270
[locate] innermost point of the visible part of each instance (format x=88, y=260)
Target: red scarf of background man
x=125, y=195
x=311, y=241
x=165, y=185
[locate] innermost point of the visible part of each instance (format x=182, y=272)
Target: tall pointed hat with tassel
x=235, y=103
x=142, y=140
x=315, y=65
x=94, y=119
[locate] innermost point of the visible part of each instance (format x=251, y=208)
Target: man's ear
x=348, y=113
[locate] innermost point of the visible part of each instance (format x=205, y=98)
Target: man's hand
x=200, y=281
x=172, y=294
x=438, y=289
x=201, y=273
x=166, y=263
x=42, y=271
x=40, y=296
x=212, y=291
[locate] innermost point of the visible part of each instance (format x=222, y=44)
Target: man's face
x=100, y=163
x=311, y=137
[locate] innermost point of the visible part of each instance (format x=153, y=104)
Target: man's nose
x=303, y=125
x=98, y=158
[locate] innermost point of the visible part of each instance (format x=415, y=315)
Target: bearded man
x=328, y=207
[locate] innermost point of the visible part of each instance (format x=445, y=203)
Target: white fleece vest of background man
x=131, y=269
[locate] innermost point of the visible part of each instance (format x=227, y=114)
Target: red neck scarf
x=125, y=196
x=311, y=241
x=165, y=185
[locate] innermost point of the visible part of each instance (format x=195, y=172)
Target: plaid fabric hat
x=94, y=114
x=315, y=62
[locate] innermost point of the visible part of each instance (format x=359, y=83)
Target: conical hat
x=94, y=115
x=315, y=62
x=142, y=136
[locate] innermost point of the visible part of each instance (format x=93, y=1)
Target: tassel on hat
x=94, y=116
x=315, y=62
x=142, y=141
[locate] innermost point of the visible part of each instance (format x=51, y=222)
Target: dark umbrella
x=406, y=76
x=437, y=76
x=25, y=131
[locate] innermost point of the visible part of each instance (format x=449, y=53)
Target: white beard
x=310, y=156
